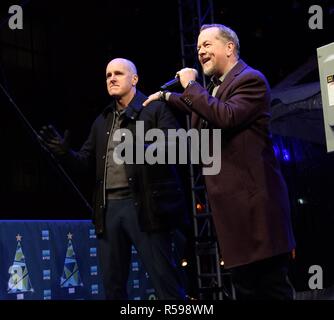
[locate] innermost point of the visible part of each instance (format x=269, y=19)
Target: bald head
x=126, y=63
x=121, y=78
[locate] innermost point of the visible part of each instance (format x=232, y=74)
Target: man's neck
x=120, y=107
x=231, y=63
x=123, y=102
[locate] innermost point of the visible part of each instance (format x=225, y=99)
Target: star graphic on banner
x=69, y=236
x=18, y=237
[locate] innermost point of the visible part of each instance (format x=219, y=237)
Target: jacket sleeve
x=175, y=101
x=83, y=159
x=165, y=118
x=246, y=101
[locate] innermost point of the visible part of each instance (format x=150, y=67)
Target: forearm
x=173, y=100
x=75, y=161
x=245, y=103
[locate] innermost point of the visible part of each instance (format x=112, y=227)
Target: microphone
x=172, y=84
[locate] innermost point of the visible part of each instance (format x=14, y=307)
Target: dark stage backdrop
x=54, y=70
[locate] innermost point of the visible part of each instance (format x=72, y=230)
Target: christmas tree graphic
x=19, y=281
x=71, y=276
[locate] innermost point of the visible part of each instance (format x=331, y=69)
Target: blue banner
x=44, y=260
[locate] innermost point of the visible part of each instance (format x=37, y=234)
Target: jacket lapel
x=235, y=71
x=135, y=106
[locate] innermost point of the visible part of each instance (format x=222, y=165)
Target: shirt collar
x=218, y=81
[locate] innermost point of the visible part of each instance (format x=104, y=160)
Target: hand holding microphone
x=182, y=78
x=185, y=75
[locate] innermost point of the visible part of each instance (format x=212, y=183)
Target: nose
x=112, y=78
x=201, y=51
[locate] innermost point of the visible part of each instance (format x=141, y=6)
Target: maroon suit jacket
x=248, y=197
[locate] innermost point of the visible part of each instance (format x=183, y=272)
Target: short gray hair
x=225, y=33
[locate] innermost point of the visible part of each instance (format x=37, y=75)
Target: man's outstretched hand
x=54, y=141
x=153, y=97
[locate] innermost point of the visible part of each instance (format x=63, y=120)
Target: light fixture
x=286, y=155
x=301, y=201
x=184, y=263
x=200, y=207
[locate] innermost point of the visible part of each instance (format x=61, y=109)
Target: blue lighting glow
x=286, y=155
x=276, y=151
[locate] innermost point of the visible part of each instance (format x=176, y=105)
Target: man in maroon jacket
x=248, y=197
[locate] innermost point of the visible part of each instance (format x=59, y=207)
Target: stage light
x=276, y=151
x=301, y=201
x=293, y=254
x=286, y=155
x=184, y=263
x=200, y=207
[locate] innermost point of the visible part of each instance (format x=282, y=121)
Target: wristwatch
x=162, y=96
x=190, y=83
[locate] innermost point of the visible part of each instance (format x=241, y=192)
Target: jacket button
x=136, y=204
x=130, y=179
x=101, y=207
x=103, y=157
x=108, y=132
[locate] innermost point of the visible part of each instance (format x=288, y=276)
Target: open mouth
x=205, y=60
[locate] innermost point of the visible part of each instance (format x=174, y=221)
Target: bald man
x=134, y=204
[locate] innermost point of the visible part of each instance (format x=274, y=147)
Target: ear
x=230, y=48
x=135, y=79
